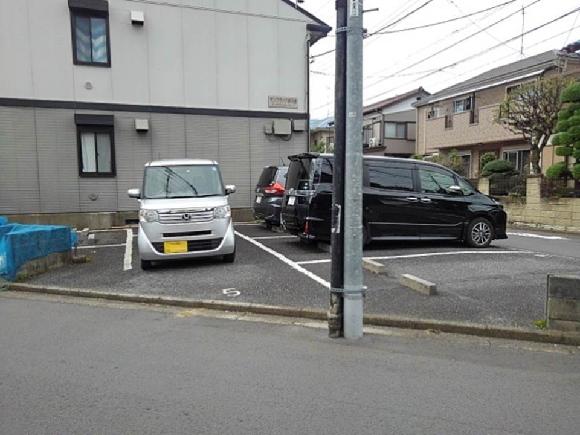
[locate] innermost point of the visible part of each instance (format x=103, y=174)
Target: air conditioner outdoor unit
x=373, y=142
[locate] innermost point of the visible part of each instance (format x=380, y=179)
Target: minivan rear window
x=299, y=174
x=281, y=175
x=268, y=176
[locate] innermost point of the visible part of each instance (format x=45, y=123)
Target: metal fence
x=513, y=185
x=561, y=188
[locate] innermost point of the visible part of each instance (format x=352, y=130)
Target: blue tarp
x=22, y=243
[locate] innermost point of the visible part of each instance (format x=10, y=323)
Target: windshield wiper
x=171, y=171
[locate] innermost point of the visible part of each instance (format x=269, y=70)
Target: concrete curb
x=555, y=337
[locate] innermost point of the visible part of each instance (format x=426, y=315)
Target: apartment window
x=435, y=112
x=90, y=32
x=96, y=145
x=395, y=130
x=462, y=105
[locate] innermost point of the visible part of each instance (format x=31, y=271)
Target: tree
x=532, y=111
x=568, y=129
x=317, y=147
x=452, y=160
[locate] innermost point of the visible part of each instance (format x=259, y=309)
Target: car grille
x=193, y=245
x=186, y=216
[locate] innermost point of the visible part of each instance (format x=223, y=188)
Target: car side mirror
x=455, y=190
x=230, y=188
x=134, y=193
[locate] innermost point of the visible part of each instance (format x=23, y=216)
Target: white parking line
x=128, y=258
x=248, y=224
x=285, y=259
x=101, y=246
x=273, y=237
x=428, y=254
x=537, y=236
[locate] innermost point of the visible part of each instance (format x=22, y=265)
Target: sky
x=436, y=57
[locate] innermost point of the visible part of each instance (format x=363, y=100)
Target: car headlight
x=222, y=212
x=148, y=216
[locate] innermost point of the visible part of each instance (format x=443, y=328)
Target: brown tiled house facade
x=462, y=117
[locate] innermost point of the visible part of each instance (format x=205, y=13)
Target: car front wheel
x=479, y=233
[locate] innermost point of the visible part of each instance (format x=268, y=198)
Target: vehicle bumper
x=152, y=234
x=500, y=221
x=269, y=210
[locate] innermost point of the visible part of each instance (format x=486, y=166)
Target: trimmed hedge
x=576, y=171
x=559, y=170
x=571, y=93
x=564, y=151
x=497, y=167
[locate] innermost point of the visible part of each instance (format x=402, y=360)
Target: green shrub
x=559, y=170
x=564, y=151
x=576, y=171
x=576, y=153
x=562, y=125
x=497, y=167
x=417, y=157
x=571, y=94
x=563, y=138
x=577, y=145
x=574, y=133
x=486, y=158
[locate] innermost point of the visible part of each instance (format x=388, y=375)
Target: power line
x=438, y=23
x=425, y=59
x=407, y=15
x=473, y=56
x=435, y=43
x=385, y=27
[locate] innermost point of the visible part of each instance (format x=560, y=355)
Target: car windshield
x=182, y=181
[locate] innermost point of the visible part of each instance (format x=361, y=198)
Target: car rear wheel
x=479, y=233
x=146, y=264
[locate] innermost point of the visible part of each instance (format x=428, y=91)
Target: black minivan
x=403, y=199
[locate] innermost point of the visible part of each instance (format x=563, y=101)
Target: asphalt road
x=503, y=285
x=98, y=368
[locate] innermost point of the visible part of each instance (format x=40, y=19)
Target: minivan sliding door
x=391, y=205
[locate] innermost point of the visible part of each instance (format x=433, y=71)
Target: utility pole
x=346, y=304
x=335, y=314
x=353, y=210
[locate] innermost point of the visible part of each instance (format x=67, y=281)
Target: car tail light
x=275, y=189
x=307, y=227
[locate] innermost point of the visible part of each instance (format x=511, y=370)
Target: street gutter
x=490, y=331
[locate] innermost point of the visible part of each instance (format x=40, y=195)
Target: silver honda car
x=184, y=212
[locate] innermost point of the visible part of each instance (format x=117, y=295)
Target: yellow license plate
x=175, y=247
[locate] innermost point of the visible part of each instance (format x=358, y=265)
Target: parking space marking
x=273, y=237
x=427, y=254
x=537, y=236
x=128, y=258
x=118, y=245
x=231, y=292
x=284, y=259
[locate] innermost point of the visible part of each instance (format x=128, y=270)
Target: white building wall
x=224, y=54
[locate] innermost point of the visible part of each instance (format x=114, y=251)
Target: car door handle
x=425, y=200
x=412, y=199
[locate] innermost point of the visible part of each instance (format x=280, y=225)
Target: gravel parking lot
x=503, y=285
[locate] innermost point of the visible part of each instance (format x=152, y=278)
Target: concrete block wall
x=556, y=214
x=563, y=303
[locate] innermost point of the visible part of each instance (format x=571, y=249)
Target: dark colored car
x=403, y=199
x=269, y=194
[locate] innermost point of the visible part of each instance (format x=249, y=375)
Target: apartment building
x=389, y=126
x=90, y=90
x=461, y=117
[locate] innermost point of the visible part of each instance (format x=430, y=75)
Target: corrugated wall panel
x=202, y=135
x=168, y=136
x=19, y=191
x=234, y=155
x=132, y=151
x=58, y=161
x=98, y=194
